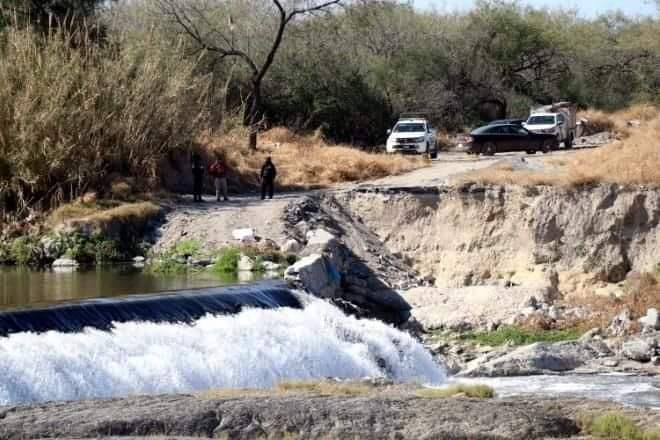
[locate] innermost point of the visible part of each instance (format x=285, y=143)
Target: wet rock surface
x=386, y=415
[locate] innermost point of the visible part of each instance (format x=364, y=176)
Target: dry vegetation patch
x=633, y=159
x=642, y=291
x=306, y=161
x=476, y=391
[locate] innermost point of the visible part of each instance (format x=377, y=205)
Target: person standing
x=198, y=177
x=218, y=170
x=267, y=177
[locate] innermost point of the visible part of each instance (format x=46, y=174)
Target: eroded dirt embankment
x=568, y=239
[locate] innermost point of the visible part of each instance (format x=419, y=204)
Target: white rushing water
x=256, y=348
x=621, y=388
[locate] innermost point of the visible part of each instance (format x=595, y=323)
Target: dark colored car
x=491, y=139
x=507, y=121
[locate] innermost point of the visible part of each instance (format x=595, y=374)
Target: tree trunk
x=251, y=115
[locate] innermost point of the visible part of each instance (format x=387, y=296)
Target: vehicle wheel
x=547, y=146
x=489, y=149
x=568, y=143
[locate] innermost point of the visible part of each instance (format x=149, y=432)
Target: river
x=91, y=336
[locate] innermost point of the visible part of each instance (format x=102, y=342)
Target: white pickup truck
x=412, y=135
x=559, y=119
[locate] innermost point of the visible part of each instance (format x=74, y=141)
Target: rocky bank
x=390, y=413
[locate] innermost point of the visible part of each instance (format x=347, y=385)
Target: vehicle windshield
x=409, y=128
x=541, y=120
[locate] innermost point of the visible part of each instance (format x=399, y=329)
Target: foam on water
x=255, y=348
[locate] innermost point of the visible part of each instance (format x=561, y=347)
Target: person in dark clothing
x=198, y=177
x=267, y=177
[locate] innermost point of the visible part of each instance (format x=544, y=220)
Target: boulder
x=65, y=262
x=291, y=247
x=538, y=358
x=319, y=237
x=652, y=320
x=639, y=349
x=269, y=266
x=245, y=264
x=315, y=274
x=620, y=323
x=139, y=260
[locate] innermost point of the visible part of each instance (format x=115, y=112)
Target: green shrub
x=615, y=426
x=27, y=250
x=167, y=265
x=519, y=336
x=187, y=248
x=5, y=253
x=477, y=391
x=227, y=260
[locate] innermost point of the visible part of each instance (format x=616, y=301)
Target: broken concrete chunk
x=315, y=274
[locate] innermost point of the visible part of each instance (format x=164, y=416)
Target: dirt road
x=212, y=222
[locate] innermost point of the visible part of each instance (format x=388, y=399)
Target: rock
x=538, y=358
x=610, y=363
x=319, y=238
x=530, y=303
x=139, y=260
x=639, y=349
x=590, y=335
x=65, y=262
x=203, y=262
x=245, y=235
x=554, y=313
x=291, y=247
x=51, y=247
x=651, y=320
x=316, y=275
x=620, y=323
x=634, y=123
x=391, y=414
x=245, y=264
x=269, y=266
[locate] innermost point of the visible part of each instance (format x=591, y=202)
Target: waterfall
x=254, y=348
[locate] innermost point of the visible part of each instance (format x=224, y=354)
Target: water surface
x=23, y=287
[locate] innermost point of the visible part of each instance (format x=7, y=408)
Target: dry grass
x=295, y=387
x=642, y=291
x=476, y=391
x=306, y=161
x=326, y=388
x=104, y=213
x=633, y=160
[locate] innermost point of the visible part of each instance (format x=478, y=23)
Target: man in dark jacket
x=198, y=177
x=268, y=174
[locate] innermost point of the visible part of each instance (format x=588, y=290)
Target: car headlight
x=419, y=139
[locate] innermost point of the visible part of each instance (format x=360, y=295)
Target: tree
x=42, y=14
x=201, y=22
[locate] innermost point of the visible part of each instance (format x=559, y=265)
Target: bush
x=73, y=111
x=519, y=336
x=27, y=250
x=476, y=391
x=616, y=426
x=227, y=260
x=186, y=248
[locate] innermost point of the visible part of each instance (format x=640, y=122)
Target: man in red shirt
x=218, y=170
